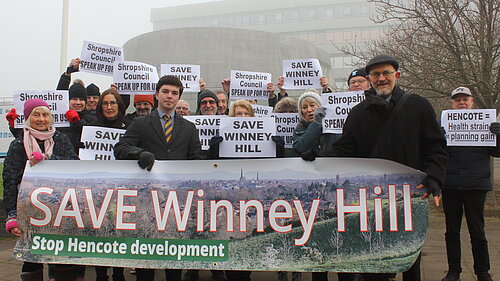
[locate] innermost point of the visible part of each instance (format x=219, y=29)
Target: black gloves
x=319, y=114
x=278, y=140
x=70, y=69
x=495, y=128
x=309, y=155
x=280, y=146
x=215, y=140
x=431, y=186
x=146, y=160
x=443, y=131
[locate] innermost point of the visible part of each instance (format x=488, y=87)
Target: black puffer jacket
x=13, y=166
x=74, y=131
x=468, y=167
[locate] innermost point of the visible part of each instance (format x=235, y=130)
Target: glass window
x=346, y=11
x=329, y=13
x=278, y=17
x=261, y=19
x=245, y=19
x=295, y=15
x=311, y=13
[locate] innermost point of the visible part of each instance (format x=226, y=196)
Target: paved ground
x=433, y=269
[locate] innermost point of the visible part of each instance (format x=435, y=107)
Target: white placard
x=469, y=127
x=99, y=143
x=338, y=107
x=285, y=126
x=262, y=110
x=188, y=74
x=249, y=85
x=208, y=127
x=247, y=137
x=301, y=74
x=135, y=77
x=58, y=102
x=99, y=58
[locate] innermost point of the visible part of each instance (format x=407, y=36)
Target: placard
x=58, y=102
x=338, y=106
x=247, y=137
x=99, y=143
x=301, y=74
x=133, y=77
x=469, y=127
x=207, y=126
x=249, y=85
x=99, y=58
x=188, y=74
x=331, y=214
x=262, y=110
x=285, y=126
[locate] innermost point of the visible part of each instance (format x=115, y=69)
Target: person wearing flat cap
x=464, y=191
x=392, y=124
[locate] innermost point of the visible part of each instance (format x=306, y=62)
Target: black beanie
x=357, y=72
x=93, y=90
x=207, y=94
x=77, y=91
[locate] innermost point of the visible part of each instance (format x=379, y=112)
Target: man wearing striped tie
x=161, y=135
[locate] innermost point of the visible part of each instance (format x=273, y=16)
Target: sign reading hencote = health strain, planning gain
x=343, y=215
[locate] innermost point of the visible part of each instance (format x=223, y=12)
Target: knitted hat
x=29, y=105
x=309, y=93
x=357, y=72
x=144, y=98
x=207, y=94
x=77, y=91
x=382, y=59
x=93, y=90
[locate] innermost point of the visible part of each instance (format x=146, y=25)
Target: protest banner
x=133, y=77
x=58, y=102
x=247, y=137
x=99, y=58
x=285, y=126
x=187, y=73
x=99, y=143
x=340, y=215
x=207, y=126
x=262, y=110
x=338, y=106
x=301, y=74
x=469, y=127
x=249, y=85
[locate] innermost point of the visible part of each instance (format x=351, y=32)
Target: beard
x=384, y=93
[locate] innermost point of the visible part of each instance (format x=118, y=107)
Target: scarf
x=31, y=145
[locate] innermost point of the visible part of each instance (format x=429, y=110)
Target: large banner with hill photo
x=332, y=214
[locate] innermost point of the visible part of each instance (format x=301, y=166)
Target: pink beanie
x=31, y=104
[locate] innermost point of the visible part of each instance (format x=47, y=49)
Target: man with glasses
x=391, y=124
x=182, y=108
x=358, y=80
x=208, y=103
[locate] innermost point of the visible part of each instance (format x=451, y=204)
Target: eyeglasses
x=110, y=103
x=386, y=74
x=360, y=81
x=207, y=101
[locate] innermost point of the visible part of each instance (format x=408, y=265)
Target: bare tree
x=441, y=44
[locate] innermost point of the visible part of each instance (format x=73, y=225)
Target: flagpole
x=64, y=36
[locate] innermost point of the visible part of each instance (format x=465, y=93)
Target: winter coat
x=413, y=138
x=74, y=131
x=308, y=138
x=15, y=162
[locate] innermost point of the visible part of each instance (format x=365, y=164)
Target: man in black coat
x=391, y=124
x=161, y=135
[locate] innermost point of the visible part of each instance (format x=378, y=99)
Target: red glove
x=72, y=116
x=11, y=117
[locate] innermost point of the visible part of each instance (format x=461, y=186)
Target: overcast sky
x=31, y=36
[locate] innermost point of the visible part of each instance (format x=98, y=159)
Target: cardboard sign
x=247, y=137
x=301, y=74
x=262, y=110
x=187, y=73
x=332, y=214
x=249, y=85
x=469, y=127
x=99, y=58
x=99, y=143
x=207, y=126
x=285, y=126
x=338, y=107
x=135, y=77
x=58, y=102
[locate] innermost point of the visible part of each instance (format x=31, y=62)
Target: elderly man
x=208, y=103
x=391, y=124
x=182, y=108
x=143, y=105
x=358, y=80
x=221, y=95
x=464, y=191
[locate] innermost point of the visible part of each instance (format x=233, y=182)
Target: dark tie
x=168, y=128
